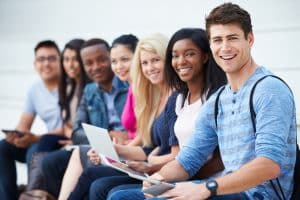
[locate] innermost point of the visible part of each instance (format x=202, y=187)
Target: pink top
x=128, y=117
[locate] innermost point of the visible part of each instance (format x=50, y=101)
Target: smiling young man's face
x=96, y=63
x=47, y=63
x=230, y=48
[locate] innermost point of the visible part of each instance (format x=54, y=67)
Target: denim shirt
x=93, y=110
x=114, y=119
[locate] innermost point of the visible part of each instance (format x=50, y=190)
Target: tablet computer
x=123, y=167
x=158, y=189
x=13, y=131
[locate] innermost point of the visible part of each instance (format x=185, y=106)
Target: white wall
x=24, y=23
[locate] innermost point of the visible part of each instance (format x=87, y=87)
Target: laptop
x=100, y=141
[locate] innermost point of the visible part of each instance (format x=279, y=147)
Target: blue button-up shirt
x=114, y=120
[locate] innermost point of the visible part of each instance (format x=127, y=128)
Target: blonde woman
x=149, y=90
x=155, y=113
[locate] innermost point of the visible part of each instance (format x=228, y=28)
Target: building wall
x=276, y=26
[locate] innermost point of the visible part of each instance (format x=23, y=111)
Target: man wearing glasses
x=42, y=101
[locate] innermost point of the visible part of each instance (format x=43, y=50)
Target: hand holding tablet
x=13, y=131
x=157, y=188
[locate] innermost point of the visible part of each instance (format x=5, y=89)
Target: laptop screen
x=100, y=140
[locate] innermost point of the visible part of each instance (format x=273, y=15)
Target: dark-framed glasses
x=42, y=59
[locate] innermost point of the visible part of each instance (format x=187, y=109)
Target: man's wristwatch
x=212, y=186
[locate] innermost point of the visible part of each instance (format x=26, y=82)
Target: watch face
x=211, y=184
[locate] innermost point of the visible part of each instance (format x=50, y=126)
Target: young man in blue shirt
x=251, y=158
x=42, y=101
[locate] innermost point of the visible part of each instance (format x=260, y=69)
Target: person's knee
x=9, y=153
x=101, y=187
x=117, y=195
x=4, y=149
x=86, y=177
x=47, y=163
x=97, y=189
x=55, y=163
x=94, y=187
x=53, y=160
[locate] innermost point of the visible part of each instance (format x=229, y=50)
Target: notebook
x=100, y=141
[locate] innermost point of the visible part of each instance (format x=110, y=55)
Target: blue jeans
x=99, y=174
x=8, y=174
x=49, y=142
x=100, y=189
x=54, y=166
x=137, y=194
x=238, y=196
x=124, y=187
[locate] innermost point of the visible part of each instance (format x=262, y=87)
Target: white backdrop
x=276, y=26
x=24, y=23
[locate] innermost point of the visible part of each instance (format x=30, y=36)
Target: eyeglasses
x=44, y=58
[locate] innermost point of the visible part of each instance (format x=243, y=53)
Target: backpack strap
x=253, y=114
x=217, y=105
x=253, y=118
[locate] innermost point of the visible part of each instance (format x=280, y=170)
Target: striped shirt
x=274, y=139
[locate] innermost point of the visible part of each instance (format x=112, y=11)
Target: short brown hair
x=229, y=13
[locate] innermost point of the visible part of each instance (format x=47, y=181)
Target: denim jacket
x=92, y=108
